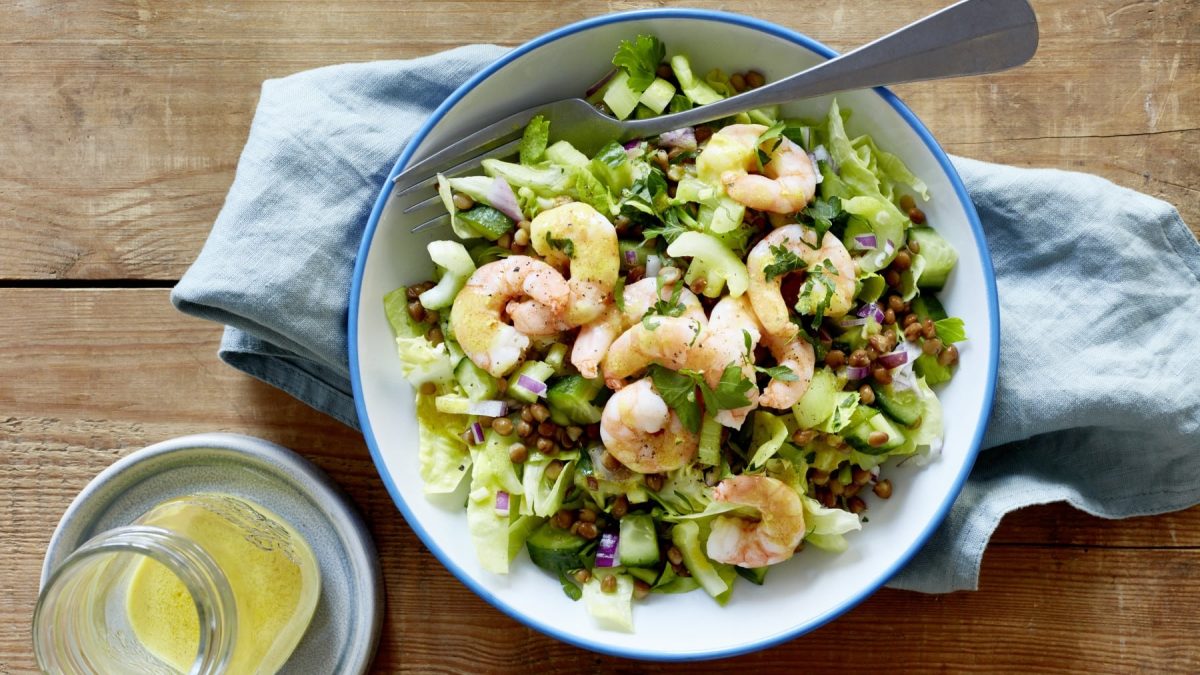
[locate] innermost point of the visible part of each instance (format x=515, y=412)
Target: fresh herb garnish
x=781, y=373
x=785, y=262
x=565, y=245
x=773, y=133
x=619, y=294
x=640, y=58
x=534, y=140
x=678, y=391
x=825, y=214
x=672, y=305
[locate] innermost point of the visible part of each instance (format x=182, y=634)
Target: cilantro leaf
x=534, y=140
x=640, y=58
x=678, y=391
x=781, y=373
x=951, y=330
x=773, y=133
x=825, y=214
x=671, y=306
x=749, y=342
x=619, y=294
x=565, y=245
x=785, y=262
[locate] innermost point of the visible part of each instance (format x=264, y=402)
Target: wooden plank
x=123, y=121
x=90, y=375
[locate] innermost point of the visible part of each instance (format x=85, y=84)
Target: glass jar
x=207, y=583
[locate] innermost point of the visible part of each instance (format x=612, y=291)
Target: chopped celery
x=658, y=95
x=545, y=181
x=710, y=442
x=562, y=153
x=556, y=357
x=713, y=261
x=768, y=435
x=620, y=96
x=697, y=90
x=686, y=537
x=819, y=401
x=612, y=610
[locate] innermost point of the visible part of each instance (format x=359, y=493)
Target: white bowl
x=799, y=595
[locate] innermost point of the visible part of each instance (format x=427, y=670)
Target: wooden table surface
x=120, y=126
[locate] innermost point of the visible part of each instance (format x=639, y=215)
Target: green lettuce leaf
x=442, y=455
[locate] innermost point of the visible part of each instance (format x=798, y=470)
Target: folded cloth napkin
x=1097, y=400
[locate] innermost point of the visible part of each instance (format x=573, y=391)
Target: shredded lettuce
x=490, y=530
x=613, y=610
x=826, y=526
x=534, y=141
x=443, y=457
x=544, y=497
x=768, y=435
x=422, y=361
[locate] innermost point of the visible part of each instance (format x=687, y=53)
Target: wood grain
x=118, y=369
x=128, y=117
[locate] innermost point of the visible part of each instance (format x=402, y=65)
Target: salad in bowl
x=675, y=363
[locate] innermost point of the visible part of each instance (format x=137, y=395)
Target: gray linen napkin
x=1098, y=397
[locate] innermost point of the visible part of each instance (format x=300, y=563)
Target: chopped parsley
x=785, y=262
x=826, y=214
x=534, y=140
x=640, y=58
x=678, y=391
x=619, y=294
x=781, y=373
x=565, y=245
x=774, y=133
x=671, y=306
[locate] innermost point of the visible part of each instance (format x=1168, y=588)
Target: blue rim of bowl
x=774, y=30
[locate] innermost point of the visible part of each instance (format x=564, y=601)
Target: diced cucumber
x=709, y=453
x=638, y=546
x=640, y=251
x=620, y=97
x=693, y=87
x=611, y=609
x=755, y=575
x=452, y=256
x=536, y=370
x=903, y=406
x=871, y=288
x=479, y=385
x=442, y=295
x=563, y=153
x=939, y=255
x=712, y=260
x=679, y=103
x=928, y=307
x=488, y=222
x=658, y=95
x=571, y=398
x=395, y=307
x=686, y=537
x=556, y=357
x=641, y=112
x=452, y=404
x=819, y=401
x=646, y=574
x=555, y=549
x=721, y=215
x=859, y=436
x=927, y=366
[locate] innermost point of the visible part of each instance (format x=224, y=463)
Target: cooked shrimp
x=597, y=336
x=788, y=180
x=797, y=355
x=730, y=325
x=641, y=432
x=830, y=263
x=670, y=341
x=476, y=319
x=772, y=538
x=578, y=237
x=533, y=318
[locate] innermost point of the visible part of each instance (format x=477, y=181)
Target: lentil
x=738, y=82
x=582, y=576
x=503, y=426
x=879, y=343
x=949, y=356
x=892, y=278
x=654, y=481
x=835, y=488
x=574, y=432
x=819, y=477
x=916, y=215
x=416, y=311
x=834, y=358
x=827, y=499
x=553, y=469
x=803, y=436
x=912, y=331
x=698, y=285
x=856, y=505
x=664, y=71
x=914, y=246
x=432, y=315
x=620, y=506
x=883, y=489
x=524, y=429
x=882, y=375
x=861, y=476
x=428, y=388
x=588, y=530
x=524, y=225
x=526, y=413
x=902, y=261
x=859, y=358
x=575, y=527
x=850, y=490
x=928, y=329
x=467, y=437
x=502, y=386
x=545, y=446
x=486, y=422
x=907, y=203
x=755, y=79
x=463, y=202
x=517, y=453
x=611, y=463
x=587, y=515
x=932, y=346
x=640, y=589
x=889, y=316
x=434, y=336
x=866, y=394
x=412, y=293
x=563, y=518
x=675, y=556
x=909, y=319
x=703, y=133
x=547, y=429
x=539, y=412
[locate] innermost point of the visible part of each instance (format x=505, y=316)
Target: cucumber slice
x=646, y=574
x=571, y=399
x=556, y=357
x=709, y=453
x=555, y=549
x=712, y=260
x=635, y=259
x=620, y=97
x=928, y=307
x=533, y=369
x=638, y=546
x=686, y=537
x=395, y=307
x=487, y=221
x=563, y=153
x=452, y=404
x=903, y=406
x=939, y=255
x=658, y=95
x=693, y=87
x=819, y=402
x=755, y=575
x=442, y=295
x=859, y=436
x=479, y=385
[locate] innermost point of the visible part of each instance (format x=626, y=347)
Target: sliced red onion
x=631, y=257
x=888, y=248
x=684, y=139
x=871, y=310
x=857, y=372
x=599, y=83
x=892, y=359
x=488, y=408
x=850, y=322
x=535, y=387
x=477, y=432
x=606, y=553
x=504, y=200
x=653, y=265
x=864, y=241
x=629, y=145
x=502, y=503
x=823, y=336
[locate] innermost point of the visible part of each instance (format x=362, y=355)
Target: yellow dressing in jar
x=270, y=569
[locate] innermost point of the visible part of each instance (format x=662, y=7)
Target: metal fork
x=970, y=37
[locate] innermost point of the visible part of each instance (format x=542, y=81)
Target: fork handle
x=967, y=38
